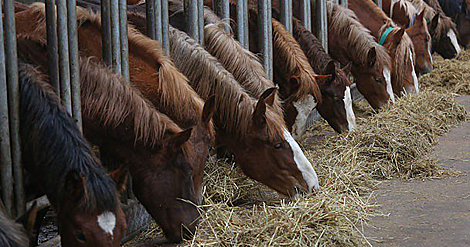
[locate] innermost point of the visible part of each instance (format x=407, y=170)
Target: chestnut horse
x=394, y=39
x=405, y=15
x=254, y=133
x=350, y=42
x=336, y=91
x=60, y=163
x=131, y=132
x=443, y=31
x=460, y=14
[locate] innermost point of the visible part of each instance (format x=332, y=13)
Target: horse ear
x=398, y=36
x=434, y=22
x=28, y=219
x=259, y=115
x=75, y=187
x=208, y=110
x=120, y=178
x=420, y=17
x=269, y=96
x=331, y=69
x=347, y=68
x=180, y=138
x=371, y=57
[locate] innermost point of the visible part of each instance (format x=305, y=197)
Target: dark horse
x=61, y=164
x=460, y=14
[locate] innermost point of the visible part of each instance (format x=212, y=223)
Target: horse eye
x=278, y=146
x=378, y=80
x=81, y=237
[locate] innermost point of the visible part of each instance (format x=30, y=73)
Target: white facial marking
x=107, y=222
x=453, y=39
x=430, y=54
x=388, y=80
x=303, y=107
x=349, y=110
x=304, y=166
x=413, y=73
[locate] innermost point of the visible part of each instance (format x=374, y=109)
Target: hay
x=449, y=76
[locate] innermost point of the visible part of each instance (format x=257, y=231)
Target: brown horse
x=443, y=31
x=84, y=196
x=254, y=133
x=336, y=92
x=394, y=39
x=130, y=131
x=350, y=42
x=405, y=15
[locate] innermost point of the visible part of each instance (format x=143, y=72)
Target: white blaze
x=453, y=39
x=303, y=107
x=304, y=166
x=349, y=110
x=107, y=222
x=430, y=54
x=413, y=73
x=388, y=80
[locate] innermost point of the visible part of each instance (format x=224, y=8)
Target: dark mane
x=52, y=143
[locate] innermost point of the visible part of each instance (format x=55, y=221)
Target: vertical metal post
x=246, y=24
x=115, y=37
x=74, y=69
x=158, y=20
x=265, y=27
x=14, y=103
x=6, y=173
x=344, y=3
x=124, y=40
x=191, y=16
x=165, y=27
x=305, y=14
x=286, y=14
x=322, y=23
x=222, y=9
x=379, y=3
x=200, y=10
x=106, y=35
x=240, y=22
x=150, y=17
x=52, y=54
x=64, y=70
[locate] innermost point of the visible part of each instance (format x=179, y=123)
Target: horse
x=443, y=31
x=252, y=131
x=405, y=15
x=460, y=14
x=84, y=196
x=336, y=91
x=395, y=40
x=350, y=42
x=131, y=132
x=18, y=233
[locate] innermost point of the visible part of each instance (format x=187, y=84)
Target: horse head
x=421, y=39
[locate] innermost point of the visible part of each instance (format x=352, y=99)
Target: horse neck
x=371, y=16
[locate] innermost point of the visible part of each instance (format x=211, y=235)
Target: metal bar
x=270, y=38
x=74, y=69
x=246, y=25
x=286, y=14
x=158, y=20
x=11, y=62
x=115, y=37
x=165, y=27
x=265, y=29
x=200, y=10
x=6, y=172
x=124, y=40
x=322, y=23
x=305, y=14
x=379, y=3
x=222, y=9
x=191, y=13
x=240, y=22
x=106, y=35
x=344, y=3
x=64, y=70
x=52, y=55
x=150, y=12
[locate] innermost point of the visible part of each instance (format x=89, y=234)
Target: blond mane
x=234, y=106
x=409, y=9
x=344, y=23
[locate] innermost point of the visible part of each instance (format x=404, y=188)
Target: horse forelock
x=345, y=24
x=11, y=233
x=291, y=58
x=408, y=7
x=58, y=147
x=234, y=106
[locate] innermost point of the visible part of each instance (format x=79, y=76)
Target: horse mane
x=313, y=49
x=408, y=7
x=234, y=106
x=11, y=233
x=344, y=22
x=53, y=144
x=240, y=62
x=443, y=26
x=291, y=55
